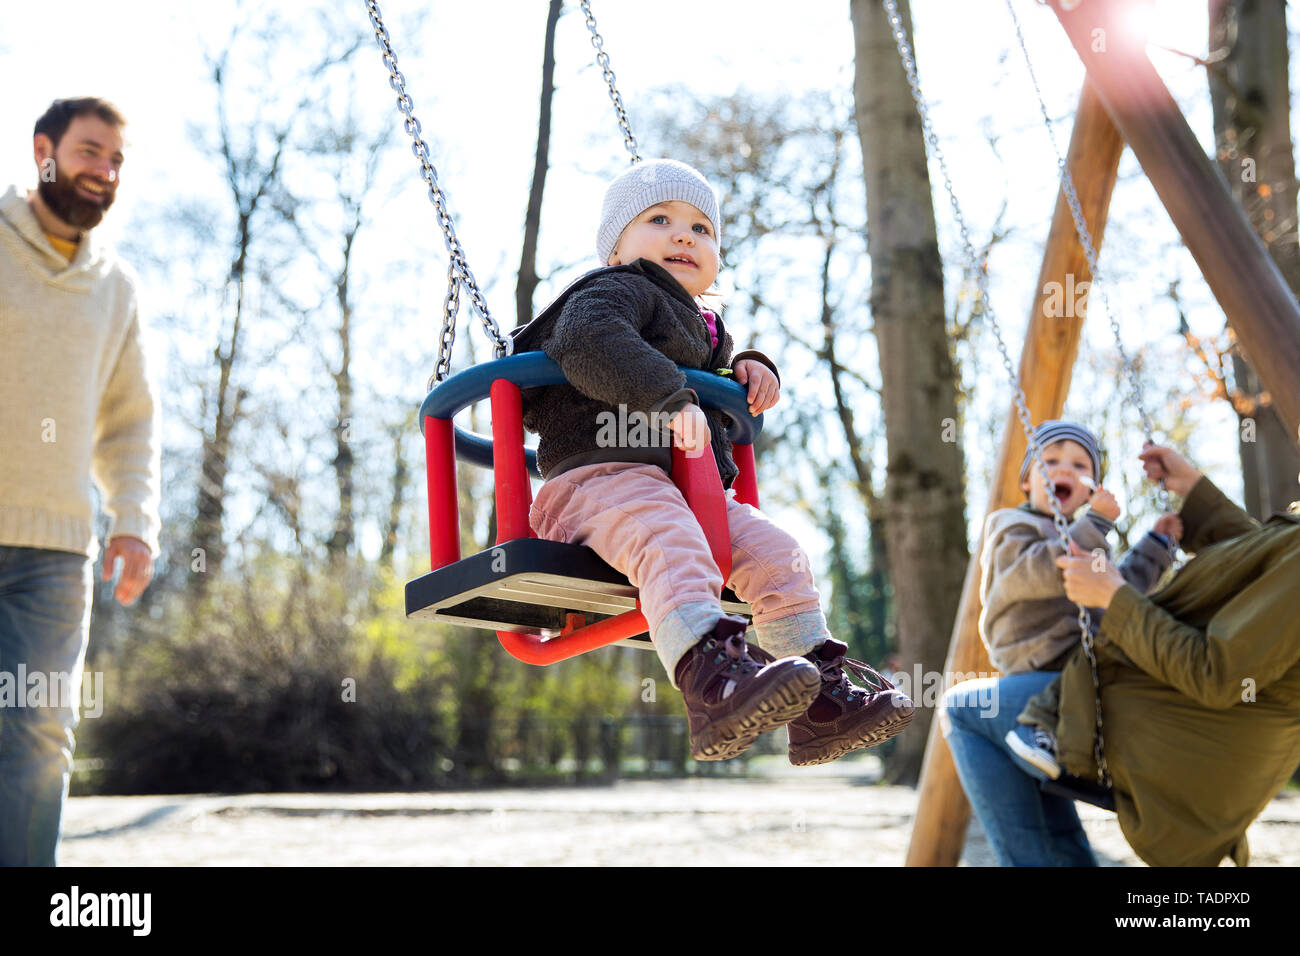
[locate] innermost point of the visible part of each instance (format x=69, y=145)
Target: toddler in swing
x=619, y=334
x=1028, y=623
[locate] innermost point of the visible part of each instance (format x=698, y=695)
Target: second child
x=1028, y=623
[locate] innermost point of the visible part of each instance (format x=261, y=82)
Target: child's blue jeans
x=1024, y=826
x=44, y=630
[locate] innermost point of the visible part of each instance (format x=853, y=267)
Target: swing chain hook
x=974, y=266
x=602, y=60
x=458, y=272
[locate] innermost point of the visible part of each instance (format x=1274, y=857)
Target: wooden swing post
x=1246, y=282
x=1046, y=365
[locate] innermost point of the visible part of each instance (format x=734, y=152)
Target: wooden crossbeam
x=1246, y=282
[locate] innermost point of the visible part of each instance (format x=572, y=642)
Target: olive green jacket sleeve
x=1210, y=516
x=1251, y=639
x=1214, y=665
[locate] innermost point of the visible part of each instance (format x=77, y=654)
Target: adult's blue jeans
x=1024, y=826
x=44, y=630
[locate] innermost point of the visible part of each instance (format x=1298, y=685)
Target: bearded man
x=75, y=404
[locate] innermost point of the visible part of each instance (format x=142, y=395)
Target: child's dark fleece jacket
x=619, y=333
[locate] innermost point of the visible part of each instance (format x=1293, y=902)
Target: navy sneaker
x=1036, y=748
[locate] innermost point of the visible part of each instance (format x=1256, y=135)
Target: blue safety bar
x=533, y=369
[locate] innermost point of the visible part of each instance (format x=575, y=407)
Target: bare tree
x=527, y=283
x=829, y=227
x=253, y=151
x=251, y=177
x=353, y=160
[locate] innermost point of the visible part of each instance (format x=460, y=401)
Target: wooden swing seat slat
x=529, y=585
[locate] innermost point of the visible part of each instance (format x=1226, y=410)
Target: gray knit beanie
x=646, y=183
x=1055, y=430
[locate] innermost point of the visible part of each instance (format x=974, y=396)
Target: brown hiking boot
x=734, y=691
x=845, y=717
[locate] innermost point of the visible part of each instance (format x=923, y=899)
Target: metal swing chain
x=973, y=267
x=602, y=60
x=458, y=271
x=1090, y=252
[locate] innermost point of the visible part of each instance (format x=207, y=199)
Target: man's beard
x=63, y=200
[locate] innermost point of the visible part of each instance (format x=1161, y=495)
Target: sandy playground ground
x=833, y=814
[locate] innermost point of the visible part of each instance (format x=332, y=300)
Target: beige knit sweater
x=76, y=401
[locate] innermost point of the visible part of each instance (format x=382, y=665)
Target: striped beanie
x=1055, y=430
x=644, y=184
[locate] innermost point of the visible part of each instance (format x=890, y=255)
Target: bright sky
x=476, y=83
x=474, y=77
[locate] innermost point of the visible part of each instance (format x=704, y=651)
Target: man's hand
x=137, y=567
x=1084, y=583
x=690, y=429
x=1179, y=475
x=1104, y=503
x=764, y=389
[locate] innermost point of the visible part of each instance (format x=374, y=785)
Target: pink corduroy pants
x=633, y=516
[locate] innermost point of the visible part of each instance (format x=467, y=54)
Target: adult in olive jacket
x=1200, y=681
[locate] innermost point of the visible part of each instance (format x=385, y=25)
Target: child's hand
x=1171, y=526
x=1104, y=503
x=690, y=428
x=764, y=389
x=1085, y=583
x=1178, y=473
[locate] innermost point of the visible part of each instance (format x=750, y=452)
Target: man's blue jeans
x=1025, y=826
x=44, y=630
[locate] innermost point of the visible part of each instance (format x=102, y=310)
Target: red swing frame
x=696, y=476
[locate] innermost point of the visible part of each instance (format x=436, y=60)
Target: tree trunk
x=925, y=524
x=396, y=499
x=1250, y=96
x=340, y=541
x=250, y=181
x=209, y=509
x=527, y=282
